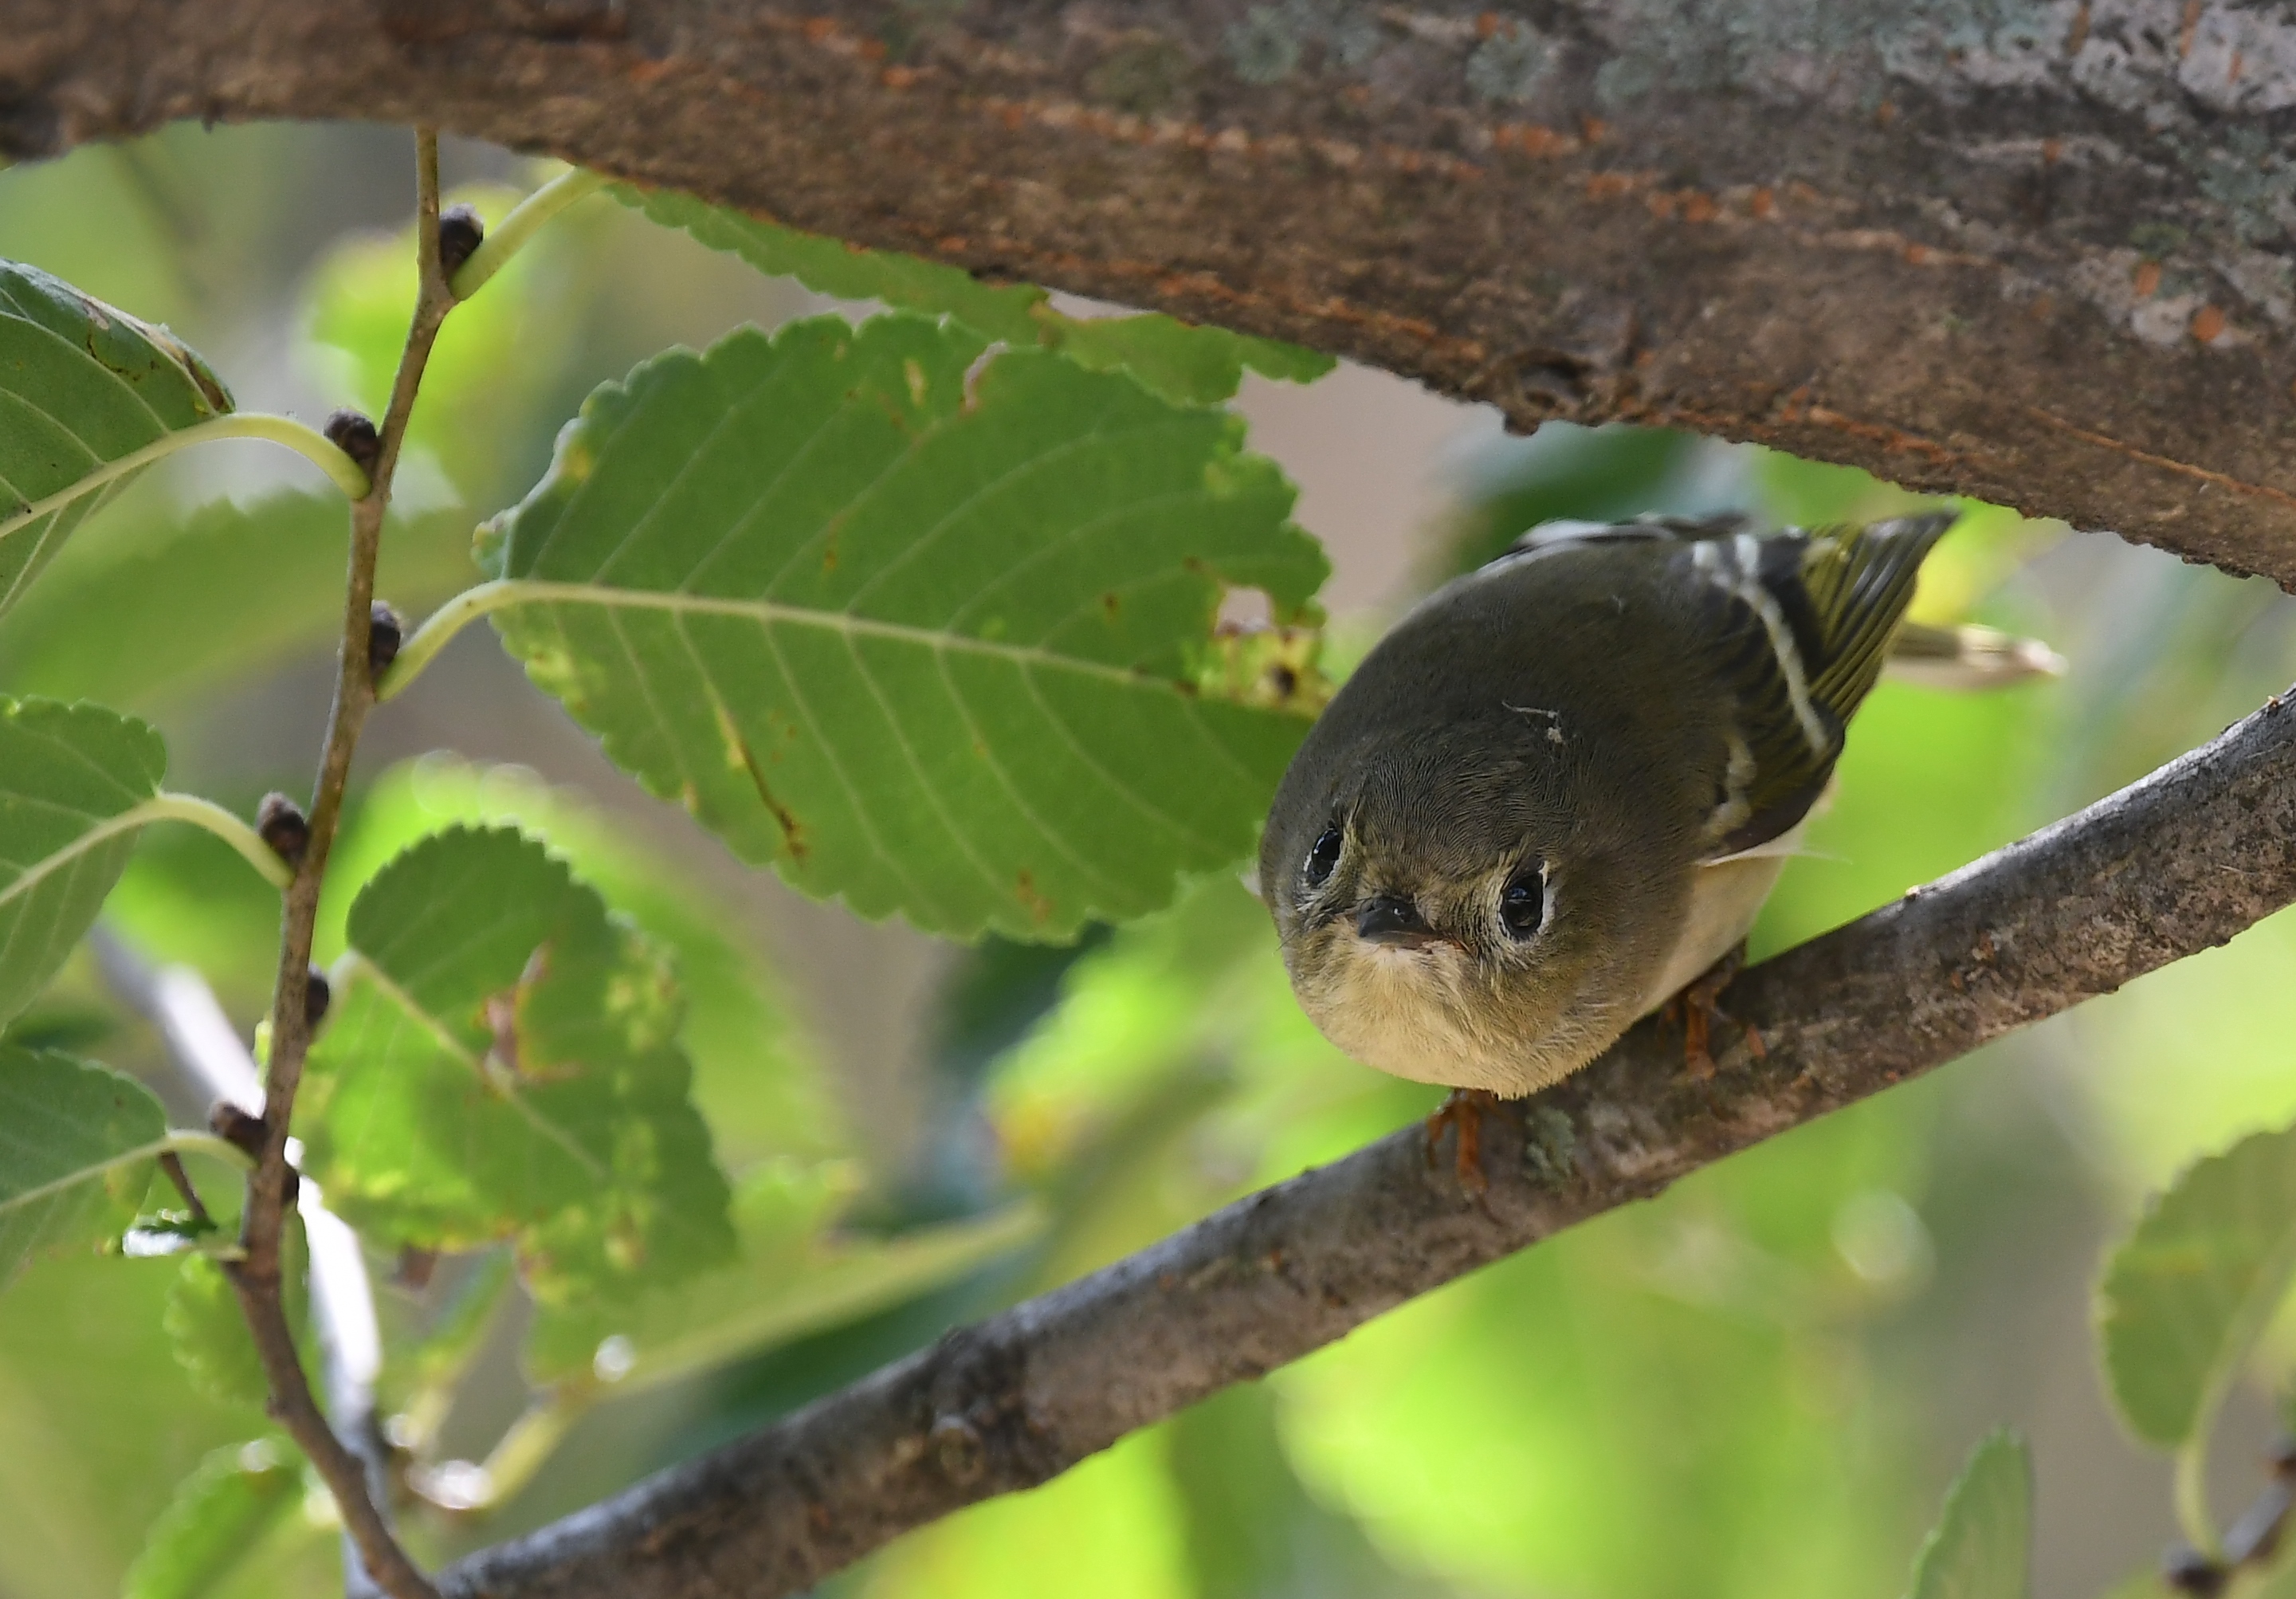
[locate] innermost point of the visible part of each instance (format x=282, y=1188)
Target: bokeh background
x=1757, y=1385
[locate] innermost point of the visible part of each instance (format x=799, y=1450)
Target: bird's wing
x=1801, y=623
x=1645, y=529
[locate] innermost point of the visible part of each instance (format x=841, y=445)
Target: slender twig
x=256, y=1277
x=2131, y=884
x=206, y=1048
x=172, y=1164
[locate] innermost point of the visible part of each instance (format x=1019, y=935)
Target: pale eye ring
x=1522, y=903
x=1323, y=856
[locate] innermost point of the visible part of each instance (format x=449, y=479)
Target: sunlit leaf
x=220, y=1513
x=208, y=1331
x=162, y=610
x=920, y=641
x=2185, y=1297
x=71, y=777
x=82, y=385
x=1982, y=1545
x=758, y=1080
x=1181, y=361
x=76, y=1147
x=502, y=1064
x=794, y=1277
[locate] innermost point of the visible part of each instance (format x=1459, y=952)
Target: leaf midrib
x=364, y=969
x=504, y=592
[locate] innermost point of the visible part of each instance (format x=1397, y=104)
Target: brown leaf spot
x=1108, y=603
x=1024, y=890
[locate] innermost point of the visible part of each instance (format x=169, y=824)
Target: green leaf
x=82, y=386
x=758, y=1081
x=502, y=1064
x=71, y=780
x=1184, y=363
x=926, y=643
x=159, y=609
x=2184, y=1298
x=77, y=1144
x=1982, y=1547
x=794, y=1277
x=208, y=1331
x=220, y=1513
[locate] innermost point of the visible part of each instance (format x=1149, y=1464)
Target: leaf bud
x=460, y=232
x=236, y=1127
x=384, y=633
x=317, y=996
x=352, y=434
x=281, y=822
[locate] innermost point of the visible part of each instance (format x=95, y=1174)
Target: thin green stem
x=2192, y=1497
x=313, y=446
x=160, y=808
x=525, y=219
x=226, y=826
x=438, y=629
x=184, y=1141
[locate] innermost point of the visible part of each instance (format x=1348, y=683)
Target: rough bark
x=2036, y=251
x=2175, y=864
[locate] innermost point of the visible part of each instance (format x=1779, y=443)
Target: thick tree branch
x=2175, y=864
x=2037, y=251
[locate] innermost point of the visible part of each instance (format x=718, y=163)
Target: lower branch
x=2175, y=864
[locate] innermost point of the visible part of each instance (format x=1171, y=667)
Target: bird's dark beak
x=1390, y=919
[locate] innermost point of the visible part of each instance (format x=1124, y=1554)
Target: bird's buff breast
x=1405, y=1012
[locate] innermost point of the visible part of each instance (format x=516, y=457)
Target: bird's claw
x=1699, y=1007
x=1463, y=1112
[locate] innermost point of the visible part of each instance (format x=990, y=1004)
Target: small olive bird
x=1558, y=792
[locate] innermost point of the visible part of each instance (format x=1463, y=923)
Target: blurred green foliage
x=1757, y=1385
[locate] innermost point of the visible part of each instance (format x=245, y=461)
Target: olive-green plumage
x=1561, y=786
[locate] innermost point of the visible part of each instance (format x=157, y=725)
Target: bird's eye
x=1522, y=903
x=1324, y=856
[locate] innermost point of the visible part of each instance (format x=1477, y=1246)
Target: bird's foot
x=1463, y=1112
x=1699, y=1007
